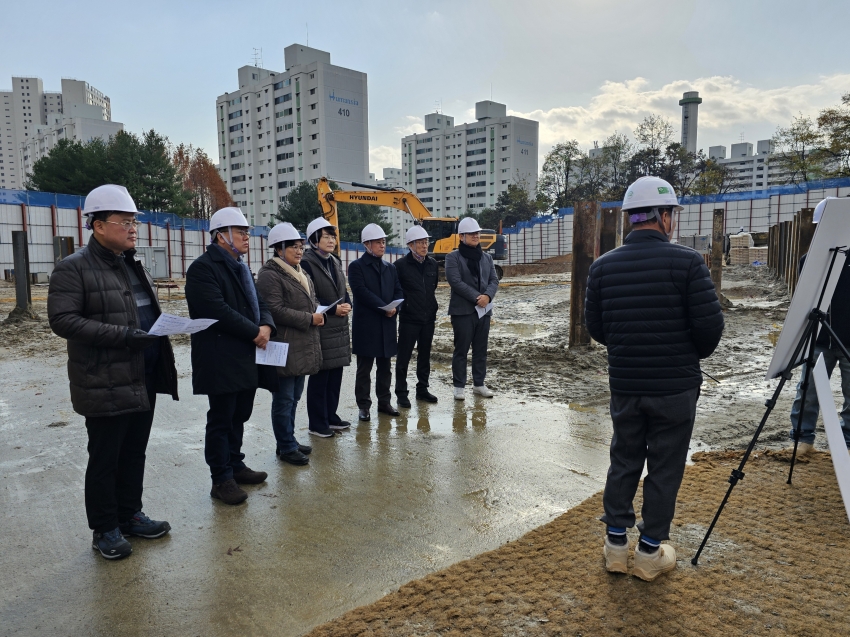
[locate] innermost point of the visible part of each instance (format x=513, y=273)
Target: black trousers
x=409, y=335
x=323, y=398
x=363, y=381
x=656, y=430
x=225, y=427
x=469, y=330
x=116, y=468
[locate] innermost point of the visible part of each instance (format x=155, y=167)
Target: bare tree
x=654, y=132
x=835, y=124
x=557, y=177
x=617, y=150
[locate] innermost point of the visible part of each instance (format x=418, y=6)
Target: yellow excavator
x=443, y=230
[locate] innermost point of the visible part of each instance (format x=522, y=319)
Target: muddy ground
x=529, y=354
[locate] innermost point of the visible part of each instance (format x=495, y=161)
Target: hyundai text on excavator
x=443, y=230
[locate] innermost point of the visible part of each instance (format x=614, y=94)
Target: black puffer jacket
x=90, y=303
x=653, y=304
x=335, y=335
x=419, y=282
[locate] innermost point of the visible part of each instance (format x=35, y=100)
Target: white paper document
x=168, y=324
x=274, y=354
x=837, y=446
x=483, y=310
x=324, y=308
x=392, y=305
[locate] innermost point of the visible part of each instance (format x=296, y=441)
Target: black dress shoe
x=305, y=449
x=427, y=396
x=294, y=457
x=364, y=414
x=403, y=401
x=388, y=409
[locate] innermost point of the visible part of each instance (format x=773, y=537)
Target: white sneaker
x=459, y=393
x=482, y=390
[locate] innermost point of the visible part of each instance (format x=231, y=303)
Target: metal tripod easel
x=817, y=318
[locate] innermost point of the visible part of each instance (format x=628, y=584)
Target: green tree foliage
x=799, y=150
x=141, y=164
x=301, y=206
x=513, y=205
x=834, y=123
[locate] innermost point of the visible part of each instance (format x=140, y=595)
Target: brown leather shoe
x=228, y=492
x=249, y=476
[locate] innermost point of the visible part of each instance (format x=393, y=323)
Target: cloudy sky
x=582, y=68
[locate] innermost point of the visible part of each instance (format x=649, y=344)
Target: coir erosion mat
x=778, y=563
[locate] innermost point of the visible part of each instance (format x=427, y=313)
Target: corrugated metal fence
x=552, y=235
x=47, y=215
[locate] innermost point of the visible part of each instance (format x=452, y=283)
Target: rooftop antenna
x=742, y=137
x=307, y=26
x=436, y=106
x=491, y=91
x=258, y=57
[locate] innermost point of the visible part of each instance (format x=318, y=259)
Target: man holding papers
x=101, y=300
x=292, y=301
x=473, y=281
x=377, y=293
x=220, y=286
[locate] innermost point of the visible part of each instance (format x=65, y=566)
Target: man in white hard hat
x=474, y=283
x=102, y=300
x=374, y=286
x=219, y=285
x=839, y=321
x=417, y=273
x=652, y=303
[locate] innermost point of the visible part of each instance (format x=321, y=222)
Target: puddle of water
x=525, y=330
x=773, y=337
x=582, y=408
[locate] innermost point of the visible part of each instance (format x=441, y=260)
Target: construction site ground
x=398, y=499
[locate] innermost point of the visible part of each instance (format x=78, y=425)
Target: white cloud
x=729, y=107
x=381, y=157
x=412, y=125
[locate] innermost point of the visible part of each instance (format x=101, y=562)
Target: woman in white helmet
x=325, y=270
x=291, y=298
x=374, y=285
x=474, y=283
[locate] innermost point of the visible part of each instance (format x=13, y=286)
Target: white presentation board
x=833, y=231
x=837, y=445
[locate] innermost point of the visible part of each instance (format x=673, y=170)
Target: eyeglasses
x=296, y=248
x=127, y=225
x=242, y=233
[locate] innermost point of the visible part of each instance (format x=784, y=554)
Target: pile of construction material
x=743, y=251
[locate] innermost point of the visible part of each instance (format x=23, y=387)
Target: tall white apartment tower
x=455, y=168
x=29, y=112
x=280, y=129
x=690, y=104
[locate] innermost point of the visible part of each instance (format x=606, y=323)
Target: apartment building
x=33, y=119
x=464, y=167
x=281, y=128
x=749, y=171
x=400, y=219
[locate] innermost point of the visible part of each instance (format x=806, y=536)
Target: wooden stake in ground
x=584, y=244
x=23, y=290
x=717, y=255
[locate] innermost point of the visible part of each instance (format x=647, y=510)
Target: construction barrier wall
x=48, y=215
x=552, y=235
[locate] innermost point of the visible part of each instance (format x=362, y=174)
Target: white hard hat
x=468, y=224
x=283, y=232
x=416, y=232
x=227, y=217
x=109, y=198
x=371, y=232
x=819, y=210
x=317, y=224
x=650, y=192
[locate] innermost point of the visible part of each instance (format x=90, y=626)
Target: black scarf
x=473, y=254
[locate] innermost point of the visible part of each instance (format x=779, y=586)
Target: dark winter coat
x=419, y=283
x=839, y=308
x=653, y=304
x=374, y=283
x=292, y=309
x=90, y=303
x=465, y=291
x=335, y=335
x=224, y=354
